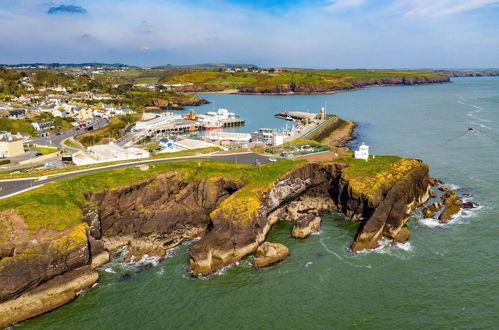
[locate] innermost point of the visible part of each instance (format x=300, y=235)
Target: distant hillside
x=58, y=65
x=469, y=73
x=208, y=66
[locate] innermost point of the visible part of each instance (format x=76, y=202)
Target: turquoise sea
x=446, y=277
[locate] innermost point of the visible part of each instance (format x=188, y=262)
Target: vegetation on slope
x=58, y=205
x=368, y=178
x=114, y=130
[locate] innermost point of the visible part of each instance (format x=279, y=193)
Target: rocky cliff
x=382, y=202
x=232, y=214
x=338, y=86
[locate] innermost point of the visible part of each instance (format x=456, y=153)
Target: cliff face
x=384, y=209
x=231, y=218
x=161, y=204
x=33, y=262
x=337, y=86
x=239, y=231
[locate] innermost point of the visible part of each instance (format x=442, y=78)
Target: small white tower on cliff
x=363, y=152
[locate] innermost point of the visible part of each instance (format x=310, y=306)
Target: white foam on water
x=308, y=264
x=481, y=125
x=399, y=250
x=84, y=290
x=340, y=257
x=316, y=232
x=109, y=270
x=404, y=246
x=146, y=260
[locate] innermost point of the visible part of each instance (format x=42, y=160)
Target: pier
x=296, y=115
x=232, y=122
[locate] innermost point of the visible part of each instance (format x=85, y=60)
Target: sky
x=273, y=33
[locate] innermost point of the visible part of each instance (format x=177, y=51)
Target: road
x=56, y=140
x=17, y=185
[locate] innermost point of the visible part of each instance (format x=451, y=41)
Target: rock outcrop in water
x=159, y=212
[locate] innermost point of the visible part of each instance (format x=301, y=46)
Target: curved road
x=15, y=186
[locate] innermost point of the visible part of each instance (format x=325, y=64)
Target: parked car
x=38, y=153
x=257, y=162
x=272, y=159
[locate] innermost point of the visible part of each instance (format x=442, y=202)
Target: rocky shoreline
x=312, y=89
x=232, y=221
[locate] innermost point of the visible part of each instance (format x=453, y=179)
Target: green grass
x=46, y=150
x=147, y=80
x=360, y=167
x=183, y=153
x=308, y=80
x=111, y=131
x=16, y=126
x=70, y=143
x=58, y=205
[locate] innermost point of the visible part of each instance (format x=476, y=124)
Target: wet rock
x=448, y=213
x=467, y=205
x=450, y=198
x=270, y=253
x=125, y=277
x=435, y=207
x=427, y=213
x=305, y=226
x=402, y=236
x=435, y=182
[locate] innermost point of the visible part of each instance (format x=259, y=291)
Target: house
x=43, y=125
x=10, y=145
x=363, y=152
x=17, y=114
x=59, y=112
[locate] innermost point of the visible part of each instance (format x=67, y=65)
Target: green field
x=59, y=205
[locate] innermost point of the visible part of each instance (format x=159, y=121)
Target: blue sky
x=315, y=33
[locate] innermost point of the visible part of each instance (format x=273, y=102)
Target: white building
x=363, y=152
x=107, y=153
x=166, y=118
x=10, y=145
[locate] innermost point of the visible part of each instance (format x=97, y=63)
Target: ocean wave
x=219, y=272
x=481, y=125
x=340, y=257
x=386, y=247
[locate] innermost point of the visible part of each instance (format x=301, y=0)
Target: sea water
x=447, y=276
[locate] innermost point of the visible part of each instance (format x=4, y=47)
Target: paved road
x=14, y=186
x=56, y=140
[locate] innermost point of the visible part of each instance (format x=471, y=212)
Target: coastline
x=238, y=92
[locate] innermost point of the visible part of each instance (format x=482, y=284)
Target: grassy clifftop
x=300, y=81
x=59, y=205
x=369, y=178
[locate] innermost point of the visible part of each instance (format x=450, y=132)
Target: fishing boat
x=213, y=125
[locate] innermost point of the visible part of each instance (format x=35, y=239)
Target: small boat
x=211, y=125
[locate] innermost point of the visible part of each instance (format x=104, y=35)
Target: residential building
x=43, y=125
x=10, y=145
x=17, y=114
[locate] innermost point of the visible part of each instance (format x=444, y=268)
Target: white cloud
x=437, y=8
x=351, y=33
x=340, y=5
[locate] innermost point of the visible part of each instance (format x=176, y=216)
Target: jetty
x=297, y=115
